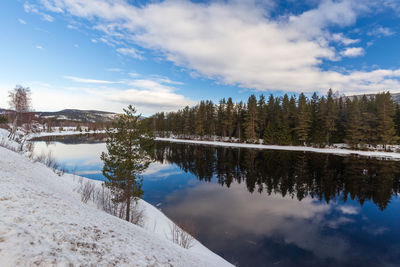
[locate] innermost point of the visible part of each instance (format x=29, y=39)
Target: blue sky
x=163, y=55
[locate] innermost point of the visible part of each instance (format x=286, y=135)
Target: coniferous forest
x=289, y=120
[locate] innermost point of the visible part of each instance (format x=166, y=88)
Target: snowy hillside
x=44, y=222
x=80, y=115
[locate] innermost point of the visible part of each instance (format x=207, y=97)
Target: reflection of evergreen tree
x=296, y=174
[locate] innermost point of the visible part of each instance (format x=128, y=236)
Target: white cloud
x=72, y=27
x=132, y=52
x=33, y=9
x=151, y=94
x=240, y=43
x=349, y=210
x=39, y=47
x=148, y=95
x=381, y=31
x=353, y=52
x=22, y=21
x=339, y=37
x=84, y=80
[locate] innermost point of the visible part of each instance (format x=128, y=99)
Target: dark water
x=269, y=208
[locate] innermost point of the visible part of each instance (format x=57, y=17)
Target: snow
x=66, y=132
x=338, y=151
x=44, y=222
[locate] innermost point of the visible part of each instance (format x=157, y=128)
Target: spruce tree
x=251, y=119
x=221, y=123
x=354, y=135
x=303, y=120
x=397, y=120
x=330, y=117
x=201, y=119
x=261, y=115
x=126, y=158
x=385, y=113
x=229, y=117
x=284, y=128
x=210, y=118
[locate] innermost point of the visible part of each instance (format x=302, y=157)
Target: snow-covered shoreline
x=62, y=133
x=337, y=151
x=44, y=222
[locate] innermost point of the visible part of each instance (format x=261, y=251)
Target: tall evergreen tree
x=397, y=119
x=354, y=134
x=261, y=115
x=330, y=117
x=303, y=120
x=201, y=119
x=385, y=114
x=229, y=117
x=221, y=123
x=251, y=119
x=126, y=158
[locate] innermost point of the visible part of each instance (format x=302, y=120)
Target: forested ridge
x=288, y=120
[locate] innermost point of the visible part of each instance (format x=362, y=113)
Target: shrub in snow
x=180, y=235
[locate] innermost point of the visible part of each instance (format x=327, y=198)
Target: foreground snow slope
x=44, y=222
x=339, y=151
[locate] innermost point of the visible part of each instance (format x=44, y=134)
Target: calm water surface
x=267, y=208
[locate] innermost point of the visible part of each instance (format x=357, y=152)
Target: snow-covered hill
x=44, y=222
x=80, y=115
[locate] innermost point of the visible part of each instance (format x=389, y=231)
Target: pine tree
x=126, y=158
x=269, y=135
x=397, y=120
x=330, y=117
x=186, y=121
x=201, y=120
x=229, y=117
x=369, y=120
x=321, y=131
x=385, y=113
x=303, y=120
x=284, y=136
x=251, y=119
x=314, y=103
x=239, y=120
x=261, y=115
x=221, y=124
x=293, y=118
x=353, y=125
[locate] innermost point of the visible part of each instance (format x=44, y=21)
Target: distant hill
x=80, y=115
x=395, y=97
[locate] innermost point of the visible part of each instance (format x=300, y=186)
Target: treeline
x=317, y=121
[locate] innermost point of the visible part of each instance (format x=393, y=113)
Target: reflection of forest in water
x=297, y=174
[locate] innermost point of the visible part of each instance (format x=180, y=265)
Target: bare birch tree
x=20, y=102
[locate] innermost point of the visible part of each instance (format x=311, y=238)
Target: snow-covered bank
x=44, y=222
x=62, y=133
x=339, y=151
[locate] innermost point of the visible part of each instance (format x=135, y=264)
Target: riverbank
x=44, y=222
x=337, y=151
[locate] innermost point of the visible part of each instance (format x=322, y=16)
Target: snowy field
x=338, y=151
x=44, y=222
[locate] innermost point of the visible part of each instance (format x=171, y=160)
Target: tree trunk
x=128, y=208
